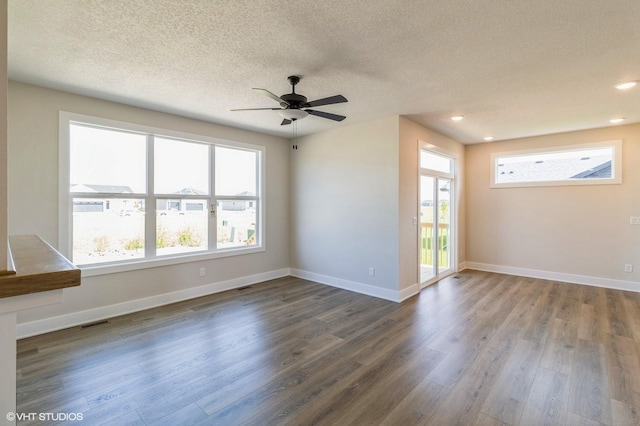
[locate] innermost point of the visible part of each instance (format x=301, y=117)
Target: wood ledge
x=11, y=267
x=38, y=267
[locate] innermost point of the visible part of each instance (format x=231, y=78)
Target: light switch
x=635, y=220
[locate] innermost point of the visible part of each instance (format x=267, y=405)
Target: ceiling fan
x=294, y=106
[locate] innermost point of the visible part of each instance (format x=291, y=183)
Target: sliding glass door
x=436, y=217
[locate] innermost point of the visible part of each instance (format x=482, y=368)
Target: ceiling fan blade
x=323, y=114
x=271, y=95
x=285, y=122
x=327, y=101
x=257, y=109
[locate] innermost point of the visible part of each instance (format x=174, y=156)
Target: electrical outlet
x=203, y=272
x=628, y=268
x=372, y=271
x=634, y=220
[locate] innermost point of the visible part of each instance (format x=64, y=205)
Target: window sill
x=114, y=268
x=582, y=182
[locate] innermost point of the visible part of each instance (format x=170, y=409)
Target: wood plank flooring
x=475, y=349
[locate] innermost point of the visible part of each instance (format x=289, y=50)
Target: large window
x=131, y=194
x=588, y=164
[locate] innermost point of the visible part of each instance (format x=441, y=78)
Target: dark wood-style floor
x=476, y=348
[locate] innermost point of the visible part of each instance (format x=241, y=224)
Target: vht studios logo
x=43, y=417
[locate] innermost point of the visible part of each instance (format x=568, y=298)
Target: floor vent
x=93, y=324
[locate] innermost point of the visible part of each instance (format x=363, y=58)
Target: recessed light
x=616, y=120
x=457, y=117
x=488, y=138
x=627, y=85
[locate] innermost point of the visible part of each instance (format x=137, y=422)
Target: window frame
x=434, y=150
x=151, y=259
x=616, y=165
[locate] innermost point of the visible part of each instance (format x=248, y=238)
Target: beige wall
x=578, y=230
x=354, y=196
x=3, y=135
x=410, y=135
x=33, y=198
x=344, y=208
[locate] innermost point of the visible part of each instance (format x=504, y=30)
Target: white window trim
x=65, y=199
x=616, y=165
x=424, y=146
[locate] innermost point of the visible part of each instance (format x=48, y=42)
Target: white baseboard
x=369, y=290
x=557, y=276
x=47, y=325
x=408, y=292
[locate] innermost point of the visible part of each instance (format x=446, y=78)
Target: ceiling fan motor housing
x=293, y=101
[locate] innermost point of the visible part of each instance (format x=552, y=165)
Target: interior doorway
x=437, y=219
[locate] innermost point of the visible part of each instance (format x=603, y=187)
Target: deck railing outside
x=442, y=245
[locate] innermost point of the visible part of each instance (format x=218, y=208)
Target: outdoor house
x=238, y=205
x=118, y=206
x=181, y=206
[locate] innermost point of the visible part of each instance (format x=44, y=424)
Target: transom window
x=436, y=162
x=134, y=193
x=588, y=164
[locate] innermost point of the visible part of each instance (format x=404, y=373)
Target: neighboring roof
x=122, y=189
x=556, y=169
x=601, y=171
x=109, y=189
x=190, y=191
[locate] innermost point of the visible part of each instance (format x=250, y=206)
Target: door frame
x=453, y=231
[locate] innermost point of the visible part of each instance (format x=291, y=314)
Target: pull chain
x=295, y=134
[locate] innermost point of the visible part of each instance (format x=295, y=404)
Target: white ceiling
x=513, y=68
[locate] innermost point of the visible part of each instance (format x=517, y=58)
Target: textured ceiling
x=513, y=68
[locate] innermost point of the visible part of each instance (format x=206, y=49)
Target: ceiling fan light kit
x=293, y=114
x=294, y=106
